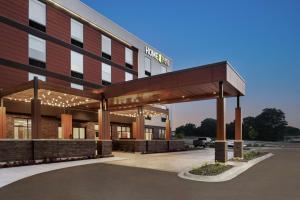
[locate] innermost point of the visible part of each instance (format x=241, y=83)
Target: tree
x=208, y=128
x=188, y=129
x=270, y=124
x=252, y=133
x=248, y=123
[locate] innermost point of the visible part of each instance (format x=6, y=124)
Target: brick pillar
x=66, y=126
x=238, y=139
x=140, y=124
x=2, y=122
x=221, y=143
x=35, y=111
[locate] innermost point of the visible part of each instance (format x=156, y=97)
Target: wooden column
x=134, y=130
x=168, y=128
x=2, y=121
x=104, y=121
x=140, y=124
x=238, y=139
x=66, y=126
x=35, y=111
x=221, y=143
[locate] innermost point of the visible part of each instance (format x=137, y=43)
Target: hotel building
x=69, y=77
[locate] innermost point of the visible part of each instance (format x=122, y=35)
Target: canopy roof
x=198, y=83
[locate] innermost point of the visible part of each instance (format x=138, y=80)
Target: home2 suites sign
x=159, y=57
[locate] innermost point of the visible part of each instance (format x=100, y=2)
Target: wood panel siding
x=15, y=10
x=58, y=24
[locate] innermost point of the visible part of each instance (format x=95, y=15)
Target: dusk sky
x=260, y=38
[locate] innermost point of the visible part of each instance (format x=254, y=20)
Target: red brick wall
x=15, y=9
x=58, y=24
x=117, y=56
x=135, y=62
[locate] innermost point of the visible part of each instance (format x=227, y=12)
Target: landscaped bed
x=211, y=169
x=250, y=155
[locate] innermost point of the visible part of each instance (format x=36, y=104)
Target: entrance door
x=22, y=128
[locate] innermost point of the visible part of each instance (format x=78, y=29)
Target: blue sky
x=260, y=38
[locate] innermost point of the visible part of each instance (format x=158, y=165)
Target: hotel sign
x=158, y=56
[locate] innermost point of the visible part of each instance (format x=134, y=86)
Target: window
x=163, y=69
x=128, y=57
x=37, y=15
x=128, y=76
x=32, y=75
x=78, y=133
x=123, y=132
x=76, y=86
x=37, y=51
x=76, y=65
x=106, y=73
x=106, y=47
x=76, y=33
x=148, y=133
x=148, y=117
x=163, y=119
x=162, y=134
x=22, y=128
x=147, y=66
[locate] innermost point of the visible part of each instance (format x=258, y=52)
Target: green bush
x=211, y=169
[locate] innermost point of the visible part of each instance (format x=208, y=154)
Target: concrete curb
x=237, y=169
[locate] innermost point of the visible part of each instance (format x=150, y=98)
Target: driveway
x=172, y=162
x=276, y=178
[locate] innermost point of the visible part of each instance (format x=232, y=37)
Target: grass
x=250, y=155
x=211, y=169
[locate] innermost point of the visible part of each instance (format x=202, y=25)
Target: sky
x=260, y=38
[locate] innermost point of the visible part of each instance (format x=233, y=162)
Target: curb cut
x=237, y=169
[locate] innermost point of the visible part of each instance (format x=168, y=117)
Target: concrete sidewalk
x=13, y=174
x=171, y=162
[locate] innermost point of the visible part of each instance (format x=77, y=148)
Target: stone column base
x=238, y=149
x=104, y=148
x=221, y=151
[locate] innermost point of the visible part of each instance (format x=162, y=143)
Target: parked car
x=201, y=142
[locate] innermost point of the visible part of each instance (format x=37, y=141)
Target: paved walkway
x=172, y=162
x=10, y=175
x=277, y=178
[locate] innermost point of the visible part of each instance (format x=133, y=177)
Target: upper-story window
x=76, y=65
x=128, y=57
x=163, y=69
x=76, y=33
x=106, y=74
x=37, y=51
x=147, y=66
x=32, y=75
x=76, y=68
x=37, y=15
x=128, y=76
x=106, y=47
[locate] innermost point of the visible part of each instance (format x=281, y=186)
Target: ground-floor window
x=123, y=132
x=162, y=134
x=148, y=133
x=22, y=128
x=78, y=133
